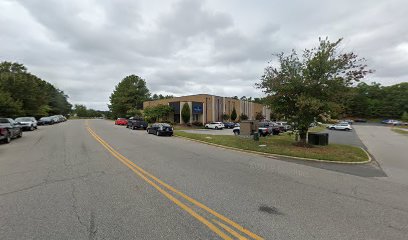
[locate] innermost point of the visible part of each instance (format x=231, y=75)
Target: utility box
x=318, y=138
x=248, y=127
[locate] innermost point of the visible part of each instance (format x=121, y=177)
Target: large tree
x=23, y=93
x=129, y=94
x=303, y=87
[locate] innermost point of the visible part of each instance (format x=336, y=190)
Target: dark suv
x=136, y=123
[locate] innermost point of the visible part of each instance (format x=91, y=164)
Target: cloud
x=186, y=47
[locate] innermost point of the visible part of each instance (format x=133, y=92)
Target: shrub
x=198, y=124
x=185, y=113
x=233, y=114
x=243, y=117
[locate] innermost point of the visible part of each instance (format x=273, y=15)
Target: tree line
x=24, y=94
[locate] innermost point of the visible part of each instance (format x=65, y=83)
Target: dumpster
x=318, y=138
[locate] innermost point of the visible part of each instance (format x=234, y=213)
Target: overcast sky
x=186, y=47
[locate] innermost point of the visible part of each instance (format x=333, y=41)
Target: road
x=94, y=180
x=389, y=148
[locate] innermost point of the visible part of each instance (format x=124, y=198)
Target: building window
x=195, y=117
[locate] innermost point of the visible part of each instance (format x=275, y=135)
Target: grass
x=185, y=127
x=403, y=132
x=283, y=145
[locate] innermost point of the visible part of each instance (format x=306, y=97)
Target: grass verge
x=283, y=145
x=403, y=132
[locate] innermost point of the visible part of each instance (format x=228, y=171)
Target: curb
x=271, y=155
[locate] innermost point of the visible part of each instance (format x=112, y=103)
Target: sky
x=183, y=47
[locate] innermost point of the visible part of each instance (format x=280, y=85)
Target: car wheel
x=8, y=138
x=236, y=133
x=216, y=128
x=157, y=133
x=20, y=134
x=206, y=127
x=133, y=127
x=31, y=128
x=332, y=128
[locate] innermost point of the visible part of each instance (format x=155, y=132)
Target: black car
x=229, y=125
x=160, y=129
x=46, y=121
x=136, y=123
x=9, y=129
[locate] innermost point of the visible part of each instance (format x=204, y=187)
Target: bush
x=198, y=124
x=243, y=117
x=225, y=117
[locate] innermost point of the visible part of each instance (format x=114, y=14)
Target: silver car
x=27, y=123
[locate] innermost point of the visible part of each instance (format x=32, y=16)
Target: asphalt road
x=389, y=148
x=100, y=181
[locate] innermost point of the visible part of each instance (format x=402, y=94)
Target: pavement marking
x=231, y=231
x=144, y=175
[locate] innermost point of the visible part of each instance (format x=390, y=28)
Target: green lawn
x=283, y=145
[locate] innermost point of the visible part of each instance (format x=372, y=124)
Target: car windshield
x=165, y=124
x=24, y=119
x=45, y=118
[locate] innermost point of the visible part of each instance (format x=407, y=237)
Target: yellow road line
x=231, y=231
x=169, y=196
x=195, y=202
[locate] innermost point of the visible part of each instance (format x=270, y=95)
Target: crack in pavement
x=46, y=182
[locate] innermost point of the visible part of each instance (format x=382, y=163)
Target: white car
x=27, y=123
x=340, y=126
x=215, y=125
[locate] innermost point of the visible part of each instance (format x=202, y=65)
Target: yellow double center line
x=161, y=186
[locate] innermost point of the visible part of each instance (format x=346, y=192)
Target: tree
x=404, y=117
x=157, y=113
x=243, y=117
x=80, y=110
x=32, y=95
x=8, y=106
x=185, y=113
x=303, y=87
x=225, y=117
x=233, y=114
x=129, y=94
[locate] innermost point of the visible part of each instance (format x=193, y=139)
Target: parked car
x=121, y=121
x=46, y=121
x=349, y=121
x=9, y=129
x=267, y=128
x=285, y=126
x=60, y=118
x=136, y=123
x=340, y=126
x=215, y=125
x=236, y=130
x=27, y=123
x=391, y=121
x=229, y=125
x=160, y=129
x=4, y=135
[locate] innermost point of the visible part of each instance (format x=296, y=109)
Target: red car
x=121, y=121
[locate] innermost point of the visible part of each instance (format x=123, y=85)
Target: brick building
x=208, y=108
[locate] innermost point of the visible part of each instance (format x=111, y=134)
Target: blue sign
x=197, y=107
